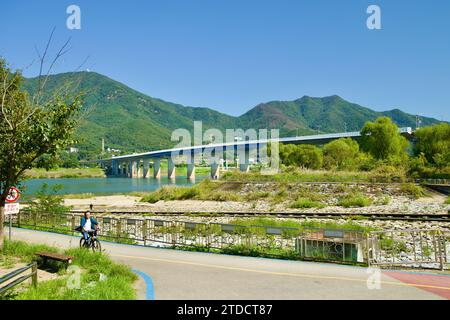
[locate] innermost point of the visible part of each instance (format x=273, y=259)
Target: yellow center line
x=299, y=275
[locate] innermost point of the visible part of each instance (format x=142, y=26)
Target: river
x=105, y=186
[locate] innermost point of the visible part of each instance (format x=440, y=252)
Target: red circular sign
x=13, y=195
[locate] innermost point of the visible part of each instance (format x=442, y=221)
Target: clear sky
x=230, y=55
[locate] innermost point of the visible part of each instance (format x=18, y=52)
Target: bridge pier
x=244, y=167
x=145, y=168
x=191, y=171
x=133, y=169
x=171, y=169
x=157, y=168
x=215, y=171
x=115, y=168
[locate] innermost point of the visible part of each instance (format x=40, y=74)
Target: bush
x=341, y=154
x=306, y=203
x=306, y=156
x=48, y=200
x=354, y=200
x=388, y=173
x=412, y=190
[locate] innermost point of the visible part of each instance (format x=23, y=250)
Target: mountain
x=131, y=121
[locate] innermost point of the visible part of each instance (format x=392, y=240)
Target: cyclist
x=88, y=225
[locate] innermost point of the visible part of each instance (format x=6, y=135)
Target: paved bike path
x=193, y=275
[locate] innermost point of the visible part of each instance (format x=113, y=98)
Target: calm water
x=105, y=185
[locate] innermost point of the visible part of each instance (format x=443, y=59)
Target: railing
x=282, y=242
x=405, y=248
x=410, y=248
x=445, y=182
x=12, y=275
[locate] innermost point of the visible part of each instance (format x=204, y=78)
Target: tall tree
x=383, y=140
x=341, y=154
x=434, y=143
x=30, y=127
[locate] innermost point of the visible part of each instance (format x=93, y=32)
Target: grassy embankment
x=117, y=282
x=38, y=173
x=230, y=189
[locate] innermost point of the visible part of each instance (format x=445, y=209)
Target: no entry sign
x=13, y=195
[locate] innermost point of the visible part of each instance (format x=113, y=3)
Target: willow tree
x=30, y=126
x=383, y=140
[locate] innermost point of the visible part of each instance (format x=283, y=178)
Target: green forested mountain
x=131, y=121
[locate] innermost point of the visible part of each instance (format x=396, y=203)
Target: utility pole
x=418, y=122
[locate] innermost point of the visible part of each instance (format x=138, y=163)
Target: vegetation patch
x=100, y=278
x=412, y=190
x=300, y=224
x=41, y=173
x=302, y=203
x=354, y=200
x=205, y=190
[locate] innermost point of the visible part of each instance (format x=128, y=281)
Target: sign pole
x=10, y=225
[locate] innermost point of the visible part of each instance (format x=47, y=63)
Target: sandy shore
x=427, y=205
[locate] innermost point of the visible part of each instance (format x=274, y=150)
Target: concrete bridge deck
x=138, y=164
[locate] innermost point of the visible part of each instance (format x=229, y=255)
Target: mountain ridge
x=132, y=121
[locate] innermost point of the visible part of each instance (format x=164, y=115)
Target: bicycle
x=92, y=242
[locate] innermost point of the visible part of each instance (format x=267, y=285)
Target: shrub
x=412, y=190
x=306, y=203
x=388, y=173
x=354, y=200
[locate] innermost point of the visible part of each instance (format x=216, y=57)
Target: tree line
x=381, y=146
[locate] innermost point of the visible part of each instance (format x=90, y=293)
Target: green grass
x=300, y=224
x=306, y=203
x=412, y=190
x=118, y=284
x=354, y=200
x=447, y=201
x=39, y=173
x=205, y=190
x=297, y=175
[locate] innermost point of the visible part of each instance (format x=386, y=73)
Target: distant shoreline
x=65, y=173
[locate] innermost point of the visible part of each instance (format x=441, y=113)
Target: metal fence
x=410, y=248
x=10, y=283
x=407, y=248
x=345, y=246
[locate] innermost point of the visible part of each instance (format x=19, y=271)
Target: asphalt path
x=182, y=275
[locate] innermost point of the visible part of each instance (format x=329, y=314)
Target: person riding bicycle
x=88, y=225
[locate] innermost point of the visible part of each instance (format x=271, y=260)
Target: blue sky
x=230, y=55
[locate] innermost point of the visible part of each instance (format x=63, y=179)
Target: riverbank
x=60, y=173
x=271, y=197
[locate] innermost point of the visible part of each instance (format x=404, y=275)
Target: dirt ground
x=433, y=204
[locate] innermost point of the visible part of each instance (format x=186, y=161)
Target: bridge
x=138, y=165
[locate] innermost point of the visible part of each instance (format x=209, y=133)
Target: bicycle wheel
x=96, y=246
x=83, y=243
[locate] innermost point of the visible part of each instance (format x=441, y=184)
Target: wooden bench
x=54, y=256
